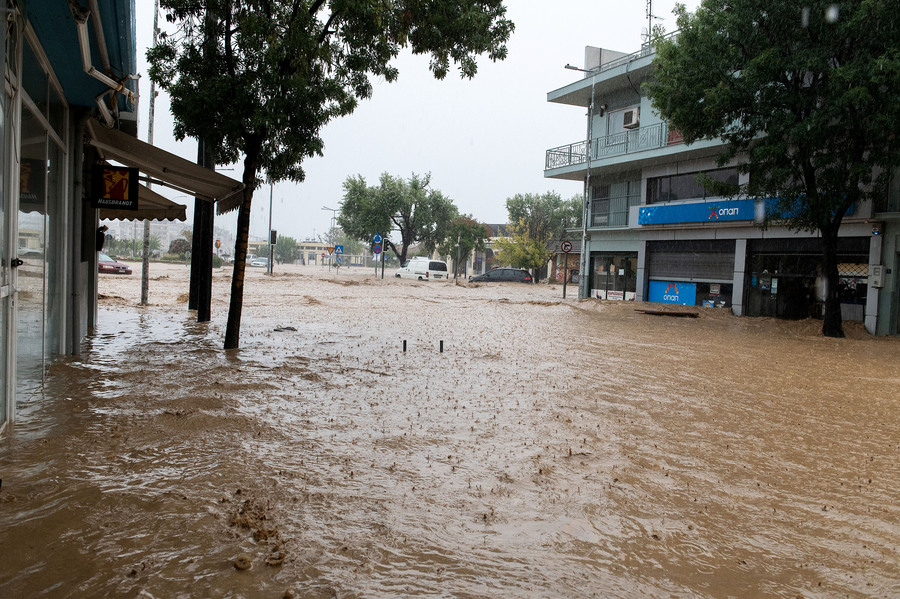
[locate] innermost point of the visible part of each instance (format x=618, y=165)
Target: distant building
x=655, y=235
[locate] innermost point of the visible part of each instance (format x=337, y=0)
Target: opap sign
x=673, y=292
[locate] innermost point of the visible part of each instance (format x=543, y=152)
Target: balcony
x=627, y=142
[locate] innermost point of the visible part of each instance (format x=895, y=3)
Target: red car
x=110, y=266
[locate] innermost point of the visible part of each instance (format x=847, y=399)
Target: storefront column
x=737, y=290
x=640, y=284
x=872, y=293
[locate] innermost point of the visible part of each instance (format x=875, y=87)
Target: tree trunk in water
x=832, y=325
x=233, y=328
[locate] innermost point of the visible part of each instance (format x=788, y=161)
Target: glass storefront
x=784, y=278
x=41, y=234
x=613, y=275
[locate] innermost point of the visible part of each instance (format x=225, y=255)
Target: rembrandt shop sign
x=697, y=213
x=115, y=188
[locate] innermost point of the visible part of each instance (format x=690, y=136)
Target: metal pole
x=271, y=248
x=145, y=259
x=582, y=271
x=565, y=275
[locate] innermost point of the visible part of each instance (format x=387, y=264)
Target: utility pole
x=145, y=258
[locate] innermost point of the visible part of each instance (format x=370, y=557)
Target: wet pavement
x=554, y=448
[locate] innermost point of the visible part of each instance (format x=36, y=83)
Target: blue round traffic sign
x=376, y=239
x=376, y=249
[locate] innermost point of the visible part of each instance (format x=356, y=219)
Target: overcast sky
x=483, y=140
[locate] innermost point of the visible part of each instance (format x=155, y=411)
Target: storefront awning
x=162, y=167
x=151, y=206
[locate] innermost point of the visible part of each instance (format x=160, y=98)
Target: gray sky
x=483, y=140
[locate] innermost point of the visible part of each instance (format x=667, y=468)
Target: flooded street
x=554, y=448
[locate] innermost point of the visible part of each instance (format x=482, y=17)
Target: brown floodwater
x=554, y=448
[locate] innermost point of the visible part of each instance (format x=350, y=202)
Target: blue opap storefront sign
x=673, y=292
x=725, y=210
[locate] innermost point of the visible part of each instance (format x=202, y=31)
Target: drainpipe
x=81, y=16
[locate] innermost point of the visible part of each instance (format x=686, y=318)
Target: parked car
x=110, y=266
x=503, y=274
x=264, y=262
x=423, y=269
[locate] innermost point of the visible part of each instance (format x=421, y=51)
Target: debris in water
x=243, y=562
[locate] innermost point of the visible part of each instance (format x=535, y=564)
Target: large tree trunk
x=233, y=328
x=832, y=325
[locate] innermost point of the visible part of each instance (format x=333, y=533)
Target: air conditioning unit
x=632, y=118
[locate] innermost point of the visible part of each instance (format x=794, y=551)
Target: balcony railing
x=626, y=142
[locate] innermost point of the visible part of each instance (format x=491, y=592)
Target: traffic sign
x=376, y=249
x=330, y=249
x=337, y=260
x=566, y=246
x=338, y=249
x=377, y=239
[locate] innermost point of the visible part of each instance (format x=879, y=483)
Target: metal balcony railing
x=626, y=142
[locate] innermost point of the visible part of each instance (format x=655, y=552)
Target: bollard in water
x=442, y=346
x=404, y=346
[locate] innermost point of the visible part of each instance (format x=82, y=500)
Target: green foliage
x=805, y=95
x=286, y=249
x=421, y=215
x=179, y=246
x=464, y=235
x=522, y=250
x=258, y=79
x=544, y=217
x=217, y=261
x=541, y=221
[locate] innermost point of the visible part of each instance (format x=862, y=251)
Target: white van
x=423, y=269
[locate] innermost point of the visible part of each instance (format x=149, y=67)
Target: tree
x=179, y=246
x=805, y=97
x=421, y=215
x=258, y=79
x=539, y=222
x=464, y=234
x=286, y=249
x=522, y=250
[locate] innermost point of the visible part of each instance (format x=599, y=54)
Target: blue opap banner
x=696, y=213
x=673, y=292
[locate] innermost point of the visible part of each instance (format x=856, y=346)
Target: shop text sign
x=703, y=212
x=673, y=292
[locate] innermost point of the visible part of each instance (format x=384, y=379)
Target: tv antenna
x=650, y=17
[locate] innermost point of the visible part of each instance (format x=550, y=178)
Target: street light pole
x=583, y=266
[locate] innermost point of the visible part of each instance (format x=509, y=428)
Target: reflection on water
x=553, y=449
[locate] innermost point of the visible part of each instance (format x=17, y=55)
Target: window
x=611, y=201
x=687, y=186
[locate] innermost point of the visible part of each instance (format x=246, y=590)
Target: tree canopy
x=258, y=79
x=408, y=206
x=464, y=235
x=805, y=96
x=285, y=250
x=537, y=224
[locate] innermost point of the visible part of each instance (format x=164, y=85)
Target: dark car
x=110, y=266
x=500, y=275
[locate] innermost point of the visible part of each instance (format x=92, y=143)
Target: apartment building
x=654, y=234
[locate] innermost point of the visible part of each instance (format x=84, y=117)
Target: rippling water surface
x=554, y=448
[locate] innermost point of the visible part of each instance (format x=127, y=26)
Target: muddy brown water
x=555, y=448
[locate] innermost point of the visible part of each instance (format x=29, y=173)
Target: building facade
x=654, y=234
x=68, y=112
